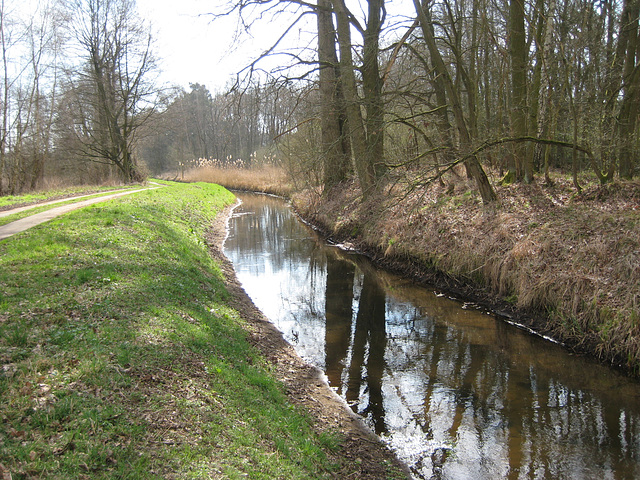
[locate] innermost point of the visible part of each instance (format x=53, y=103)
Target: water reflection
x=457, y=393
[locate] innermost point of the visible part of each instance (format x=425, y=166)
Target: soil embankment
x=563, y=264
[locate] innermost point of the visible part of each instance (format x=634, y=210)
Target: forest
x=493, y=143
x=512, y=90
x=485, y=152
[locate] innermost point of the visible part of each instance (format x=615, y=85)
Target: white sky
x=196, y=50
x=192, y=48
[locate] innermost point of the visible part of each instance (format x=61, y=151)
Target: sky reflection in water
x=458, y=393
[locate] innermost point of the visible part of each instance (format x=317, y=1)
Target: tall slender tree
x=372, y=88
x=473, y=165
x=4, y=107
x=522, y=166
x=114, y=88
x=355, y=120
x=629, y=50
x=334, y=143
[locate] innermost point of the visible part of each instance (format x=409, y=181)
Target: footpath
x=31, y=221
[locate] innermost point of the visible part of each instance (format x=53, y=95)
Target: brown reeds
x=265, y=178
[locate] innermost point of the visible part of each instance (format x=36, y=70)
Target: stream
x=455, y=391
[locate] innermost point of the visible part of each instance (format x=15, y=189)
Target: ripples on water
x=456, y=392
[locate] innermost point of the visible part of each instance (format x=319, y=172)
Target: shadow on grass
x=122, y=359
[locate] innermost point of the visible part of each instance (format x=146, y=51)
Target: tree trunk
x=473, y=165
x=372, y=85
x=627, y=118
x=544, y=49
x=355, y=122
x=5, y=100
x=336, y=159
x=518, y=55
x=118, y=52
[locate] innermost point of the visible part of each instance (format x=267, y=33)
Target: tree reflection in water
x=455, y=392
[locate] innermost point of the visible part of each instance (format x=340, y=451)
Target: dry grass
x=265, y=179
x=572, y=263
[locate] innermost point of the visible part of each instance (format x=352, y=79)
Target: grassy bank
x=121, y=357
x=33, y=198
x=566, y=264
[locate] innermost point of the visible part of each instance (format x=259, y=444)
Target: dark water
x=456, y=392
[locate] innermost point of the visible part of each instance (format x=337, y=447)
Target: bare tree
x=629, y=50
x=355, y=120
x=423, y=11
x=522, y=167
x=334, y=142
x=114, y=88
x=29, y=45
x=4, y=134
x=526, y=77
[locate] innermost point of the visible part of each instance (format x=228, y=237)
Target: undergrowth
x=568, y=263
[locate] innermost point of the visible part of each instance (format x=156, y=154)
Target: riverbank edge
x=25, y=448
x=305, y=384
x=343, y=218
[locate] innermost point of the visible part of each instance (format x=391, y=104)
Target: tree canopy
x=372, y=90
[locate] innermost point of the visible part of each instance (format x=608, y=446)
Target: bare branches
x=493, y=143
x=113, y=90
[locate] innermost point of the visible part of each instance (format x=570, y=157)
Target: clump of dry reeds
x=263, y=178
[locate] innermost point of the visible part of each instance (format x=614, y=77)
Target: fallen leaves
x=17, y=434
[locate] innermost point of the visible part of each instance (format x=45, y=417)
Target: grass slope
x=11, y=201
x=120, y=357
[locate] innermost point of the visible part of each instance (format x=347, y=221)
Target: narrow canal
x=458, y=393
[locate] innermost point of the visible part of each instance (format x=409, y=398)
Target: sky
x=192, y=48
x=196, y=49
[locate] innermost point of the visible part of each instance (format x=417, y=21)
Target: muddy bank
x=361, y=454
x=566, y=266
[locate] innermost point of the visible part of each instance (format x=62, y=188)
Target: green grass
x=122, y=359
x=35, y=208
x=38, y=197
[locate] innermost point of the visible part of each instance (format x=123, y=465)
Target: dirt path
x=11, y=211
x=31, y=221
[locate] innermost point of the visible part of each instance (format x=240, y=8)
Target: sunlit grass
x=121, y=358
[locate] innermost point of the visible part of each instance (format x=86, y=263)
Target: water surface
x=458, y=393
